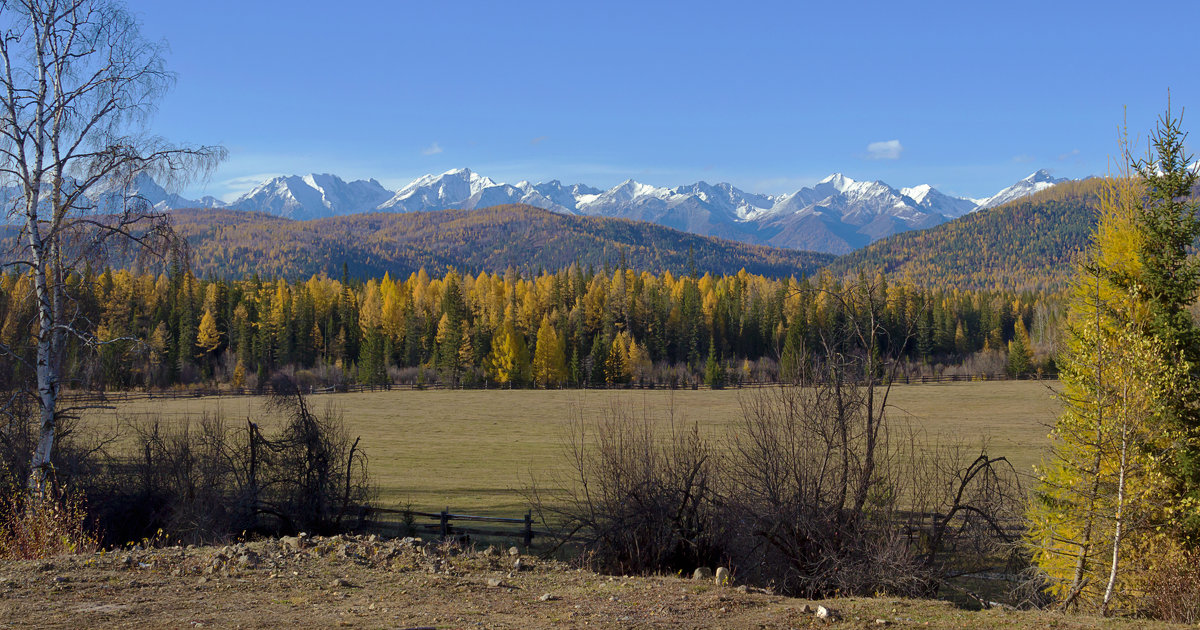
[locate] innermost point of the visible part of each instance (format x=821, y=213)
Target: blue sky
x=966, y=96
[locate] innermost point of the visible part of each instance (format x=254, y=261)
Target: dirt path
x=362, y=583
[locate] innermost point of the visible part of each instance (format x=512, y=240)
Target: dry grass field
x=474, y=451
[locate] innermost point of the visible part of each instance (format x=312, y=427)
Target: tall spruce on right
x=1168, y=284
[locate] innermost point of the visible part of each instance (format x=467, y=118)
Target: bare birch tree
x=78, y=83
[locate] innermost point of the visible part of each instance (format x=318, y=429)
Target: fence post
x=528, y=529
x=445, y=522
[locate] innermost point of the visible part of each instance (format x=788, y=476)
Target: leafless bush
x=640, y=495
x=188, y=479
x=311, y=476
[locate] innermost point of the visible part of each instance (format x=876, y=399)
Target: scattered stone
x=495, y=582
x=806, y=609
x=882, y=622
x=340, y=583
x=513, y=551
x=722, y=577
x=547, y=597
x=702, y=573
x=46, y=566
x=827, y=614
x=292, y=542
x=249, y=559
x=61, y=579
x=518, y=565
x=202, y=580
x=127, y=560
x=743, y=589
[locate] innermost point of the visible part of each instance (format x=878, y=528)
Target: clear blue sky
x=767, y=96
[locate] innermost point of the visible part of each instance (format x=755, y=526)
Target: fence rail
x=103, y=397
x=445, y=526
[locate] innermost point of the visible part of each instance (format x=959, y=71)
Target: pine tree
x=1020, y=359
x=791, y=360
x=714, y=372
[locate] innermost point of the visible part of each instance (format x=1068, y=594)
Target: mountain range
x=837, y=215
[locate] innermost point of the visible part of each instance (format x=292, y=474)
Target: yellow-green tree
x=208, y=338
x=509, y=361
x=1100, y=499
x=549, y=358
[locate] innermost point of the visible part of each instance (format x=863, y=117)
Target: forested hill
x=231, y=243
x=1028, y=244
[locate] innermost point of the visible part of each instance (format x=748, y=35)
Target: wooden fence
x=445, y=525
x=106, y=397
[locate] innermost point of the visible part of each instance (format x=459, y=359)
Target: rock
x=702, y=573
x=828, y=614
x=806, y=609
x=495, y=582
x=547, y=597
x=248, y=559
x=290, y=542
x=882, y=622
x=513, y=551
x=743, y=589
x=340, y=583
x=127, y=560
x=518, y=565
x=61, y=579
x=722, y=577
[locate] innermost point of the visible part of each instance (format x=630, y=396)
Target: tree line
x=572, y=327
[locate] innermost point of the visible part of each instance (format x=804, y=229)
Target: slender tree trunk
x=1120, y=517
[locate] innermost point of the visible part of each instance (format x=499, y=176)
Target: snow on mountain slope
x=837, y=214
x=1036, y=182
x=435, y=192
x=313, y=196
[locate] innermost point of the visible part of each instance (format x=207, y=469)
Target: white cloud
x=1068, y=155
x=887, y=150
x=432, y=149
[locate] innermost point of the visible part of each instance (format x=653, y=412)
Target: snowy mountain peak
x=837, y=214
x=838, y=181
x=917, y=193
x=1035, y=182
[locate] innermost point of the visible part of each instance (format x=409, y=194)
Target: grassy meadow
x=474, y=451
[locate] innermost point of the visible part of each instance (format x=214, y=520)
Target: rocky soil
x=363, y=582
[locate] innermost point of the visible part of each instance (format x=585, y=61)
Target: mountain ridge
x=837, y=215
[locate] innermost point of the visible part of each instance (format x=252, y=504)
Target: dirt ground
x=360, y=582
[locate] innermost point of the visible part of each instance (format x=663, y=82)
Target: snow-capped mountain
x=111, y=196
x=1036, y=182
x=838, y=214
x=313, y=196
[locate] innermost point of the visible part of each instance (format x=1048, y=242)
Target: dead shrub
x=640, y=496
x=43, y=526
